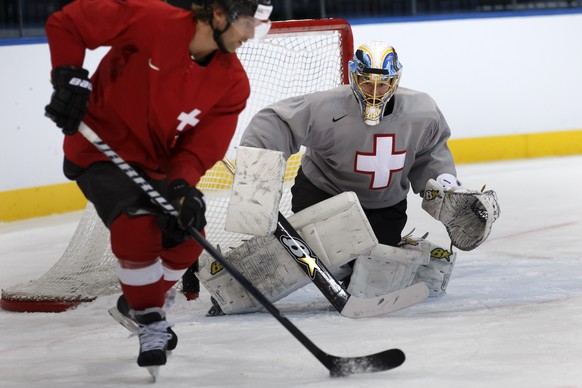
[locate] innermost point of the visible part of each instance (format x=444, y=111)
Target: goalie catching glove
x=468, y=215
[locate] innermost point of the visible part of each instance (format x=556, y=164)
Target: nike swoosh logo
x=338, y=119
x=152, y=65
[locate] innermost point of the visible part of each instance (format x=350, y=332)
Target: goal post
x=296, y=57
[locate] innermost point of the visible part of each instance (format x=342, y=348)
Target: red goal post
x=296, y=57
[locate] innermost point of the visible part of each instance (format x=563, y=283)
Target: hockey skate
x=121, y=314
x=215, y=310
x=154, y=337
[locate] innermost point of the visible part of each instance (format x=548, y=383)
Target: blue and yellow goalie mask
x=374, y=75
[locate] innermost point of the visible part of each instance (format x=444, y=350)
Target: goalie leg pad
x=437, y=272
x=384, y=270
x=256, y=191
x=264, y=262
x=336, y=229
x=436, y=275
x=387, y=269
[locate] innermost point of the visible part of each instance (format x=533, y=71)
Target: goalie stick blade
x=379, y=362
x=370, y=307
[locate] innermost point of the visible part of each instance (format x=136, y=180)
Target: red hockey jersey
x=151, y=102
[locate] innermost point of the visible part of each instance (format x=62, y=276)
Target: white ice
x=512, y=316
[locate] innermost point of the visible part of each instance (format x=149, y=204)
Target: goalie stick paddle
x=337, y=366
x=346, y=304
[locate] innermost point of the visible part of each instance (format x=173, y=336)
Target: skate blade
x=154, y=371
x=124, y=321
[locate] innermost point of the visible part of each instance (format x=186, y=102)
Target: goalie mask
x=374, y=75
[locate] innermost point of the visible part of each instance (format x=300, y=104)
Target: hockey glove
x=190, y=204
x=70, y=98
x=468, y=215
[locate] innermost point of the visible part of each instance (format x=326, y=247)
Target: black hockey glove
x=190, y=204
x=70, y=98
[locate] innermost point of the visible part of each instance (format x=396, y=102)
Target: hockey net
x=296, y=57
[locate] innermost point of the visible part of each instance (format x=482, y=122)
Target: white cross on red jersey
x=188, y=119
x=382, y=162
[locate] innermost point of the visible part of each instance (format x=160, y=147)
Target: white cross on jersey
x=381, y=162
x=188, y=119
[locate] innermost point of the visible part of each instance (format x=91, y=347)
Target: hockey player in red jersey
x=166, y=98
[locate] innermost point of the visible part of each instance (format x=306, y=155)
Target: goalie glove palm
x=468, y=215
x=190, y=204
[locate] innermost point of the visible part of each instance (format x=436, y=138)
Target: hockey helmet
x=250, y=17
x=374, y=75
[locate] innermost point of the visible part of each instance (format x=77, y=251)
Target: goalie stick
x=347, y=305
x=337, y=366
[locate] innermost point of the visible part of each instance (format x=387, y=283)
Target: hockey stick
x=347, y=305
x=337, y=366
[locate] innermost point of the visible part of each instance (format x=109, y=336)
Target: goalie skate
x=215, y=310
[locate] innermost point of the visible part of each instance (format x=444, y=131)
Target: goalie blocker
x=340, y=232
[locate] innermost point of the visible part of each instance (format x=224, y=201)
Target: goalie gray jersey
x=378, y=163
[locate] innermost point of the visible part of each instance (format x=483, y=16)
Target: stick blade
x=379, y=362
x=384, y=304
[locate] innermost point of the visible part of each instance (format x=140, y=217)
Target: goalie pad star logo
x=299, y=250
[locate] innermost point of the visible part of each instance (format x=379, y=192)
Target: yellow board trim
x=61, y=198
x=486, y=149
x=40, y=201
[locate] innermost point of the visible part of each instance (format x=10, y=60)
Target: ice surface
x=512, y=316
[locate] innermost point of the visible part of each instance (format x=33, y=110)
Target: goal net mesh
x=297, y=57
